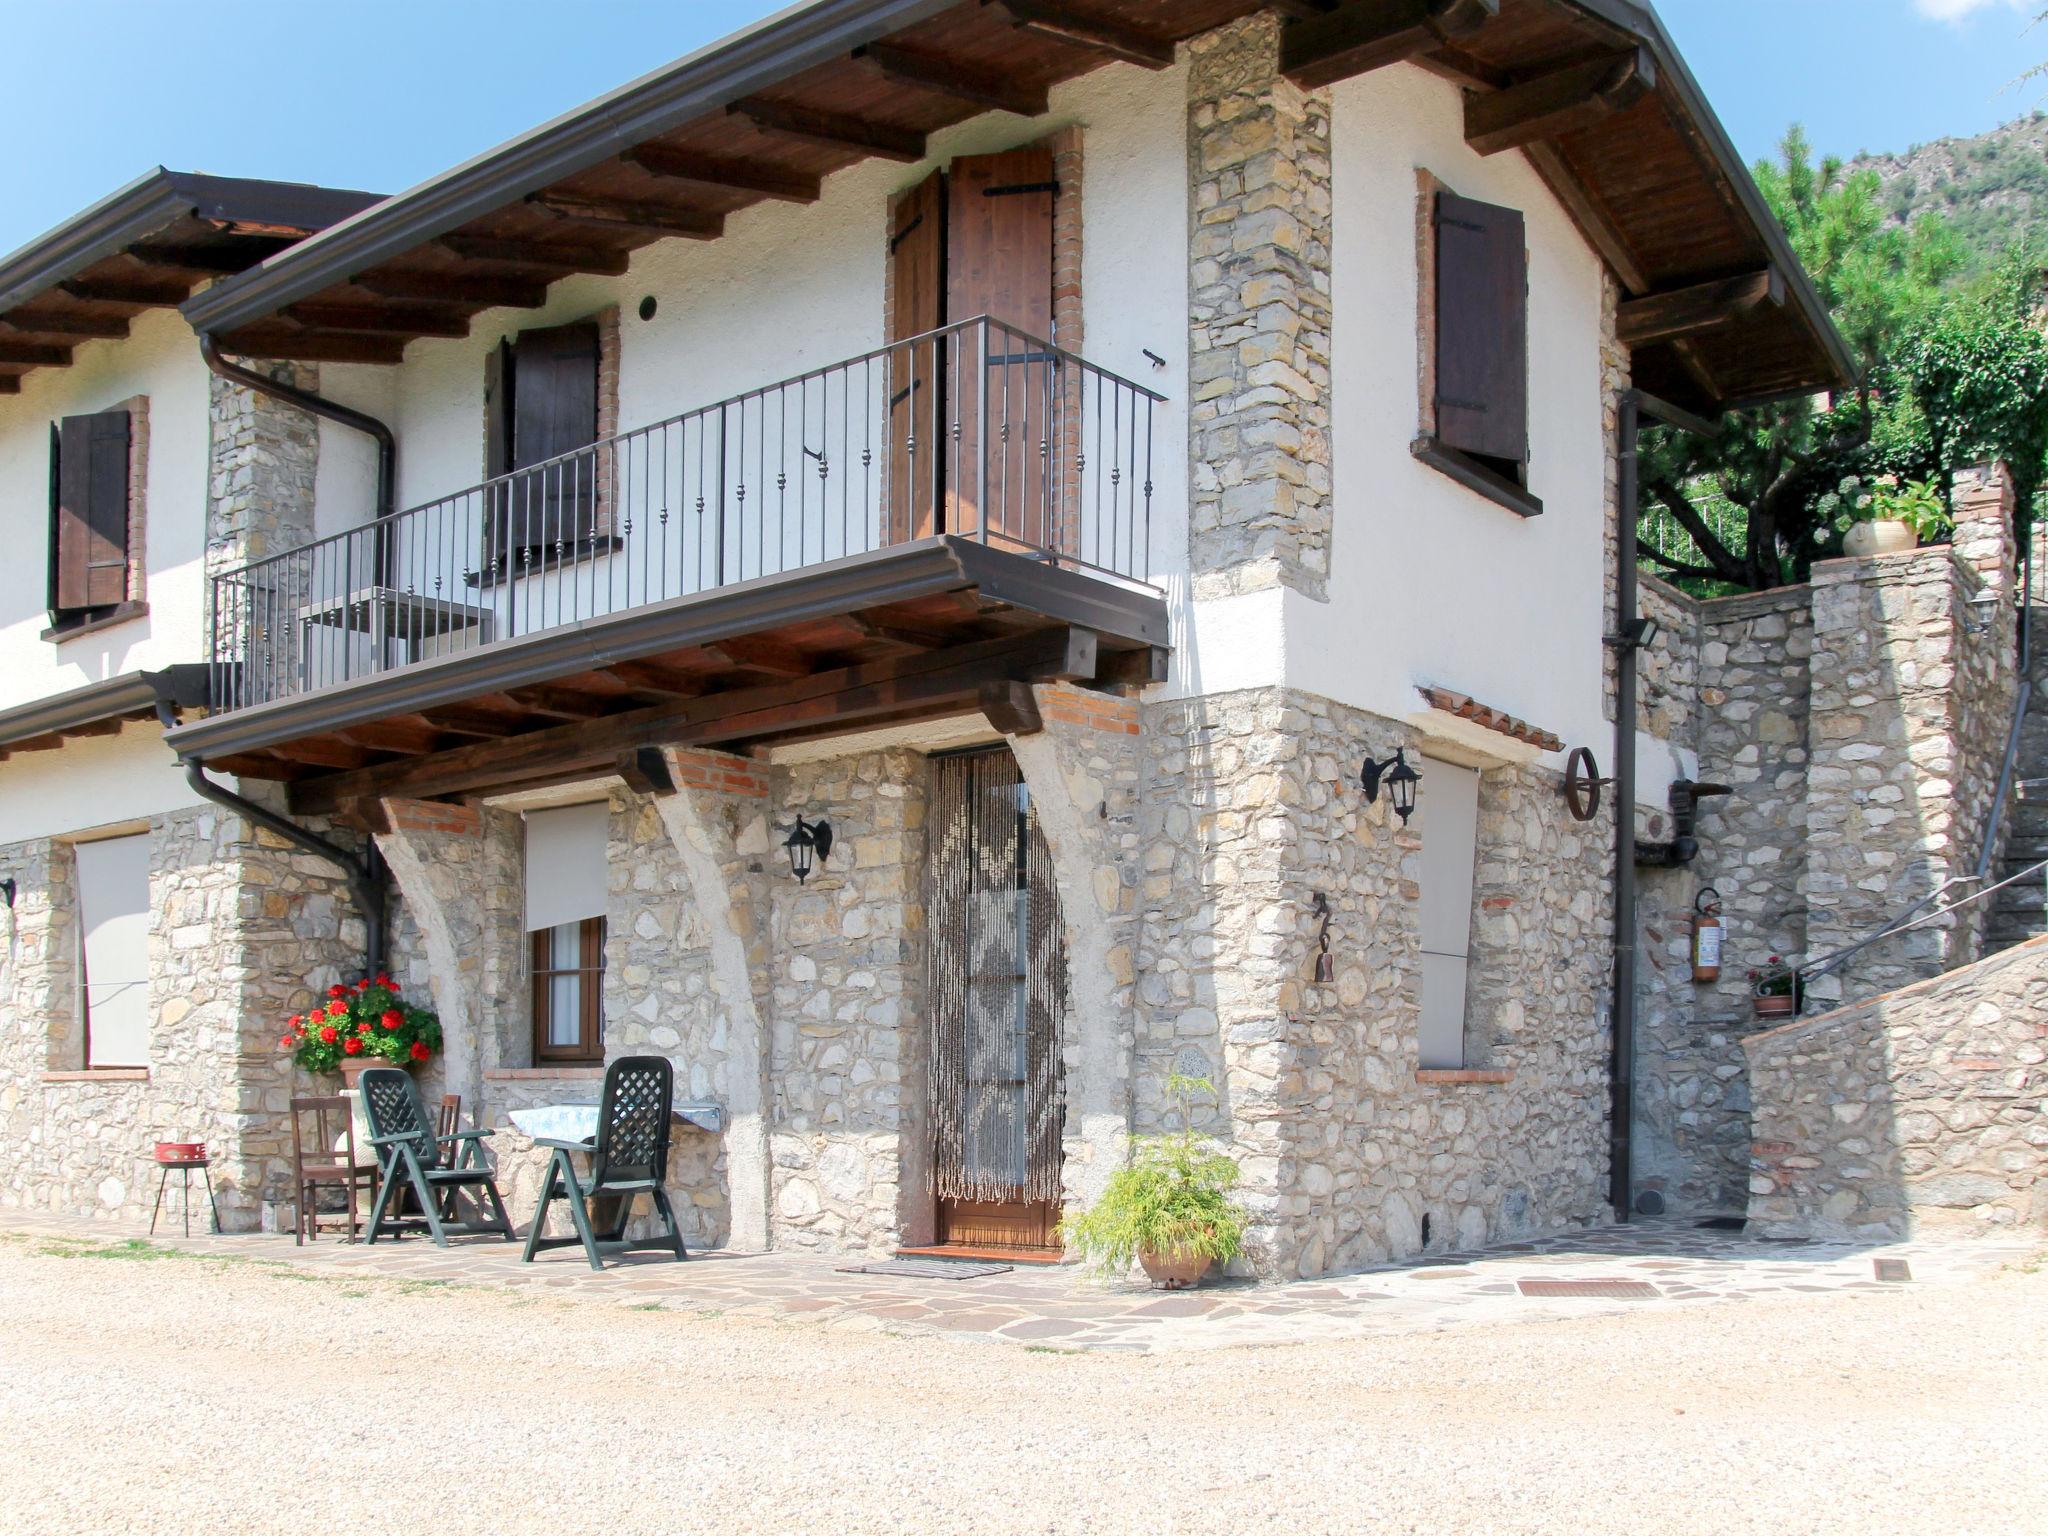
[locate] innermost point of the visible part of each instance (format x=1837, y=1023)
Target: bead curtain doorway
x=998, y=997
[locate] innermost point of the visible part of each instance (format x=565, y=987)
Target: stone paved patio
x=1059, y=1307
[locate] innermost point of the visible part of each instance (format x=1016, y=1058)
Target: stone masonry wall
x=1249, y=809
x=1259, y=326
x=1921, y=1112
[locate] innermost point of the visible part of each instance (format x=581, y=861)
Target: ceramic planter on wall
x=1880, y=536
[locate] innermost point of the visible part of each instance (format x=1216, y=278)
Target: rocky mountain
x=1993, y=188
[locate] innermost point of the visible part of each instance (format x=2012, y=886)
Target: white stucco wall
x=159, y=359
x=91, y=782
x=1431, y=583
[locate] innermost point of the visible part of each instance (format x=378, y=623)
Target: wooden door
x=915, y=374
x=999, y=238
x=998, y=989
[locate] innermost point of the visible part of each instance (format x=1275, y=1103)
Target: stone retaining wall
x=1924, y=1111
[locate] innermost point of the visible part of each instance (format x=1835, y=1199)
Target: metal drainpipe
x=1621, y=1066
x=365, y=875
x=387, y=445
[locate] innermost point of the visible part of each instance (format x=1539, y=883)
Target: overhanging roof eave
x=755, y=58
x=183, y=685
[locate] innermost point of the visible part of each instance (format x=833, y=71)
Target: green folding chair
x=628, y=1157
x=407, y=1146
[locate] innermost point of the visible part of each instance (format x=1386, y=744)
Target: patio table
x=578, y=1122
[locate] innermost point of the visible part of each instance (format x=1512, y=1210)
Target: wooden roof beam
x=1064, y=23
x=368, y=317
x=34, y=354
x=755, y=176
x=205, y=263
x=535, y=253
x=1365, y=35
x=1590, y=216
x=108, y=290
x=456, y=288
x=320, y=347
x=838, y=129
x=949, y=77
x=1561, y=102
x=642, y=218
x=1679, y=312
x=65, y=325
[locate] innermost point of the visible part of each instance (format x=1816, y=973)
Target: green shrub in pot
x=1171, y=1208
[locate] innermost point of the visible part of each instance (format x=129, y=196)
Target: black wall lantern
x=1396, y=777
x=808, y=840
x=7, y=889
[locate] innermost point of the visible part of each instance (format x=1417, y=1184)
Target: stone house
x=1070, y=450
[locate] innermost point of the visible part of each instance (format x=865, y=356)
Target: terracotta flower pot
x=1880, y=536
x=1173, y=1271
x=352, y=1067
x=1775, y=1007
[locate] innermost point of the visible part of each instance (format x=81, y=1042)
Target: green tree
x=1882, y=283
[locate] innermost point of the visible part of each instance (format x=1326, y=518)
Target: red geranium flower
x=337, y=990
x=352, y=1046
x=392, y=1018
x=362, y=986
x=337, y=1011
x=330, y=1034
x=384, y=981
x=286, y=1043
x=420, y=1052
x=363, y=1028
x=298, y=1020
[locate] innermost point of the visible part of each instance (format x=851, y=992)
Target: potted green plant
x=1170, y=1208
x=1774, y=989
x=367, y=1025
x=1888, y=517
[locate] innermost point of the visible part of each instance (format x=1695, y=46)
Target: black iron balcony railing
x=976, y=429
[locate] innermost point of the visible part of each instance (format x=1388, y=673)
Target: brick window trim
x=92, y=620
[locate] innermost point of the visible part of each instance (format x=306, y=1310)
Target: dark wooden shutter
x=90, y=526
x=1482, y=329
x=498, y=373
x=554, y=411
x=999, y=263
x=917, y=278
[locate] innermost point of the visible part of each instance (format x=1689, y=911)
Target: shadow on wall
x=1919, y=1113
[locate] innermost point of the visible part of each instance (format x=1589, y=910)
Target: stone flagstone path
x=1058, y=1307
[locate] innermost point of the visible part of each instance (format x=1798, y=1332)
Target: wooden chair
x=411, y=1156
x=451, y=1116
x=327, y=1161
x=628, y=1157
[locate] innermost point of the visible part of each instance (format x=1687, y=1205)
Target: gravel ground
x=177, y=1394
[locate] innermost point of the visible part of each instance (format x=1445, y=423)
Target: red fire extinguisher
x=1706, y=935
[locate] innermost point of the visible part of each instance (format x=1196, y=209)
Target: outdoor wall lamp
x=1635, y=635
x=7, y=890
x=1397, y=777
x=808, y=840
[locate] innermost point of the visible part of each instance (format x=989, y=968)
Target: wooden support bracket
x=1561, y=102
x=1011, y=707
x=1370, y=34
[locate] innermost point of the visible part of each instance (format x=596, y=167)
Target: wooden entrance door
x=973, y=240
x=998, y=985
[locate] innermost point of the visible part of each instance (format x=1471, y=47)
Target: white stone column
x=716, y=832
x=1082, y=770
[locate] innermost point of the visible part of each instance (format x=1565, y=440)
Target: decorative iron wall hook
x=1326, y=966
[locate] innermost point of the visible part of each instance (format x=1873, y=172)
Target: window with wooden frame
x=566, y=877
x=95, y=549
x=548, y=393
x=568, y=991
x=1475, y=347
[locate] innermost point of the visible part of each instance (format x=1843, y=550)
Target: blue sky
x=380, y=94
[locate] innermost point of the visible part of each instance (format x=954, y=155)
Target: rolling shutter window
x=113, y=961
x=1482, y=331
x=89, y=520
x=1450, y=838
x=565, y=864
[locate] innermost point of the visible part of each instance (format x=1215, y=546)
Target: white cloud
x=1957, y=10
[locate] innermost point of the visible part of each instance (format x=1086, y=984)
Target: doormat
x=925, y=1269
x=1613, y=1290
x=1893, y=1271
x=1722, y=1224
